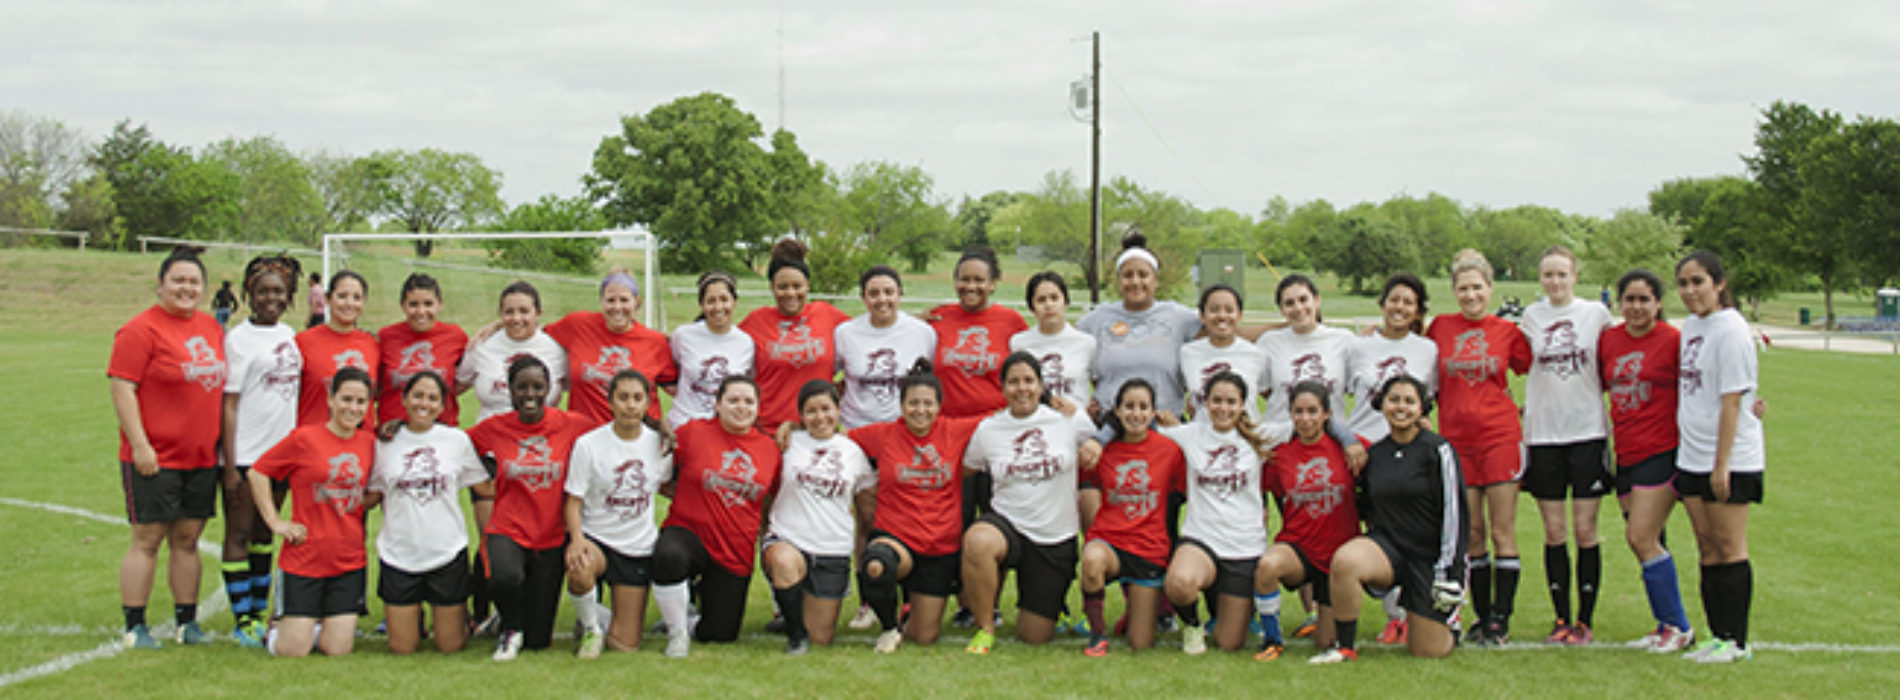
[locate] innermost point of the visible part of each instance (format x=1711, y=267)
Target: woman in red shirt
x=167, y=373
x=1313, y=483
x=524, y=543
x=336, y=344
x=601, y=343
x=792, y=339
x=1129, y=537
x=417, y=344
x=326, y=467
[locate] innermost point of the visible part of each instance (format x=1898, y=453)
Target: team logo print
x=881, y=375
x=795, y=344
x=1223, y=477
x=1628, y=391
x=1691, y=375
x=712, y=371
x=1471, y=358
x=1052, y=375
x=1561, y=354
x=534, y=464
x=1314, y=492
x=630, y=496
x=733, y=483
x=971, y=354
x=422, y=478
x=286, y=370
x=416, y=358
x=350, y=358
x=601, y=372
x=925, y=471
x=1032, y=461
x=824, y=477
x=1133, y=491
x=343, y=489
x=1309, y=367
x=204, y=367
x=1389, y=369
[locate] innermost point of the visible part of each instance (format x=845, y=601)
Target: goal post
x=640, y=238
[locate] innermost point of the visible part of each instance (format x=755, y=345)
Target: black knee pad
x=672, y=559
x=883, y=554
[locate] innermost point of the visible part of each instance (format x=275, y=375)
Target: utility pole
x=1095, y=170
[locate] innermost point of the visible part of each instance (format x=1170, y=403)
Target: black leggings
x=976, y=497
x=679, y=556
x=526, y=587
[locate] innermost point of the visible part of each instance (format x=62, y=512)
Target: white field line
x=214, y=605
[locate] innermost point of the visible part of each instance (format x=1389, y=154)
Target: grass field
x=1825, y=620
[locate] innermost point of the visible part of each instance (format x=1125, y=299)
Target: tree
x=39, y=159
x=90, y=208
x=1846, y=204
x=549, y=213
x=974, y=215
x=1514, y=239
x=1629, y=240
x=161, y=190
x=1727, y=215
x=1054, y=219
x=276, y=198
x=431, y=190
x=1303, y=231
x=1436, y=225
x=346, y=188
x=1364, y=245
x=891, y=205
x=1807, y=220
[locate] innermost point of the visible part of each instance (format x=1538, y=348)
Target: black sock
x=882, y=597
x=791, y=604
x=1190, y=614
x=1741, y=595
x=1711, y=600
x=1481, y=586
x=1505, y=602
x=1557, y=575
x=134, y=616
x=1589, y=577
x=1346, y=634
x=184, y=612
x=478, y=588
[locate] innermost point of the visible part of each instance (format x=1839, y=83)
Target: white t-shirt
x=1225, y=510
x=1718, y=357
x=616, y=481
x=1563, y=394
x=705, y=358
x=1200, y=361
x=874, y=360
x=265, y=372
x=817, y=481
x=1067, y=359
x=485, y=368
x=1292, y=358
x=1031, y=462
x=419, y=475
x=1373, y=360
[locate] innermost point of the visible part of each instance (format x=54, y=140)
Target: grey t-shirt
x=1145, y=344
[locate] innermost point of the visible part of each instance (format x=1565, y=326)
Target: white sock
x=673, y=599
x=586, y=609
x=1391, y=603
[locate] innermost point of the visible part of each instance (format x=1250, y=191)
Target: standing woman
x=527, y=454
x=335, y=344
x=1067, y=355
x=1639, y=370
x=1139, y=336
x=917, y=530
x=616, y=471
x=707, y=350
x=316, y=302
x=793, y=337
x=1566, y=434
x=1475, y=352
x=167, y=375
x=1303, y=351
x=260, y=408
x=1310, y=479
x=876, y=349
x=1128, y=540
x=1719, y=465
x=1415, y=535
x=973, y=338
x=1221, y=351
x=326, y=468
x=423, y=544
x=1031, y=452
x=601, y=344
x=485, y=367
x=419, y=343
x=727, y=471
x=809, y=544
x=1224, y=532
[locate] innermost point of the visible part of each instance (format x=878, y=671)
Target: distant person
x=224, y=302
x=317, y=298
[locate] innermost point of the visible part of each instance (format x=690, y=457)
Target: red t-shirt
x=406, y=353
x=788, y=351
x=1474, y=392
x=327, y=475
x=970, y=352
x=1136, y=479
x=919, y=481
x=595, y=355
x=723, y=481
x=324, y=352
x=1315, y=488
x=530, y=470
x=1640, y=374
x=178, y=365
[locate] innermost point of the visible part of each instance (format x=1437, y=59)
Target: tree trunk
x=1827, y=299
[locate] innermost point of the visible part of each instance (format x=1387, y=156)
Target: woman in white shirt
x=1067, y=355
x=1224, y=532
x=1303, y=351
x=708, y=349
x=875, y=349
x=613, y=475
x=811, y=533
x=1221, y=351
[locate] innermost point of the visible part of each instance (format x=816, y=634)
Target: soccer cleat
x=1725, y=652
x=1559, y=632
x=1335, y=655
x=1193, y=640
x=865, y=619
x=797, y=647
x=140, y=637
x=591, y=643
x=1702, y=650
x=980, y=643
x=382, y=627
x=1476, y=634
x=1269, y=652
x=1580, y=635
x=1097, y=648
x=1064, y=622
x=678, y=644
x=1307, y=627
x=1671, y=640
x=486, y=627
x=889, y=640
x=1648, y=641
x=249, y=634
x=509, y=646
x=1394, y=633
x=1496, y=633
x=776, y=625
x=964, y=619
x=190, y=634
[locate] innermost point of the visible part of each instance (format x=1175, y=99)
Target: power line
x=1163, y=139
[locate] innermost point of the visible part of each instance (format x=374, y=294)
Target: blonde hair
x=1470, y=260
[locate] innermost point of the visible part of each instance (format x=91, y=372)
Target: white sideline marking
x=212, y=606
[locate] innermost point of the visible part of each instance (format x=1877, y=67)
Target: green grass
x=1821, y=545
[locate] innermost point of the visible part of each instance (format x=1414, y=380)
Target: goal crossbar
x=650, y=274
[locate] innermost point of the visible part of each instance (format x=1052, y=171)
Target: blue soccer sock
x=1665, y=597
x=237, y=587
x=1268, y=607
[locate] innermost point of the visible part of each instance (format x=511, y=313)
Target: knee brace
x=883, y=554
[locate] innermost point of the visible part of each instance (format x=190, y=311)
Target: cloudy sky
x=1580, y=105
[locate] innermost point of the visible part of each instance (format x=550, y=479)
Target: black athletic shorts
x=1043, y=571
x=1743, y=487
x=171, y=494
x=341, y=594
x=1231, y=576
x=1134, y=570
x=936, y=575
x=1653, y=472
x=1575, y=470
x=827, y=577
x=447, y=584
x=623, y=570
x=1414, y=579
x=1322, y=582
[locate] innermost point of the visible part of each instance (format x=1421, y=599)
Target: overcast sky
x=1582, y=105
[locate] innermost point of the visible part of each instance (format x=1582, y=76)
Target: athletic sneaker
x=865, y=619
x=508, y=647
x=889, y=640
x=1559, y=632
x=382, y=627
x=1307, y=627
x=1702, y=650
x=1476, y=634
x=1725, y=652
x=776, y=625
x=1097, y=648
x=1580, y=635
x=190, y=634
x=1648, y=641
x=1193, y=640
x=591, y=643
x=1394, y=633
x=678, y=644
x=964, y=619
x=1269, y=652
x=249, y=634
x=1334, y=655
x=797, y=647
x=1167, y=624
x=140, y=637
x=1671, y=640
x=1496, y=633
x=980, y=643
x=1064, y=623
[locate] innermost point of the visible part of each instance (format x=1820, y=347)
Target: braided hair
x=281, y=264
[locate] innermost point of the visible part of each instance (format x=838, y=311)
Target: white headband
x=1137, y=254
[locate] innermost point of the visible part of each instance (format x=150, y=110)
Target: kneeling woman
x=1138, y=473
x=727, y=472
x=423, y=544
x=1224, y=532
x=1416, y=534
x=1031, y=452
x=616, y=470
x=326, y=466
x=808, y=546
x=1310, y=479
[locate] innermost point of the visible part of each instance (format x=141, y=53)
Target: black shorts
x=1652, y=472
x=171, y=494
x=623, y=570
x=826, y=576
x=1134, y=570
x=934, y=575
x=1743, y=487
x=1043, y=571
x=1576, y=470
x=1414, y=579
x=447, y=584
x=1321, y=581
x=1231, y=576
x=341, y=594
